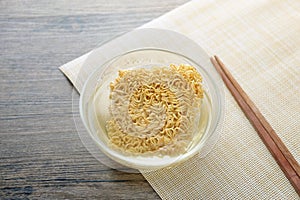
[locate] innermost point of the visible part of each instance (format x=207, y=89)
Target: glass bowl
x=95, y=102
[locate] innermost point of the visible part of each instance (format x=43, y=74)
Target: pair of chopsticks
x=279, y=151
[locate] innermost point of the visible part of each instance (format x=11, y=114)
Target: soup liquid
x=98, y=114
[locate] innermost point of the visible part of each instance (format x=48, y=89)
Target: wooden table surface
x=41, y=155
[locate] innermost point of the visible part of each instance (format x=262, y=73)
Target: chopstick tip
x=217, y=58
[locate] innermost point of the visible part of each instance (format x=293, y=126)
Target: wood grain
x=41, y=155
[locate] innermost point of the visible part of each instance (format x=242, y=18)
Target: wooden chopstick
x=279, y=151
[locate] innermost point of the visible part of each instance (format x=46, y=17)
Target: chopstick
x=279, y=151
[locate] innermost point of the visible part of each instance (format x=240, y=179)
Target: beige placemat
x=260, y=44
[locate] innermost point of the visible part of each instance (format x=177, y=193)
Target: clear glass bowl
x=145, y=48
x=95, y=102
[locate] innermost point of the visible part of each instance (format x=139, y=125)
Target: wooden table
x=41, y=155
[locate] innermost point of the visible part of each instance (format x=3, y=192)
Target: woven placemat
x=259, y=42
